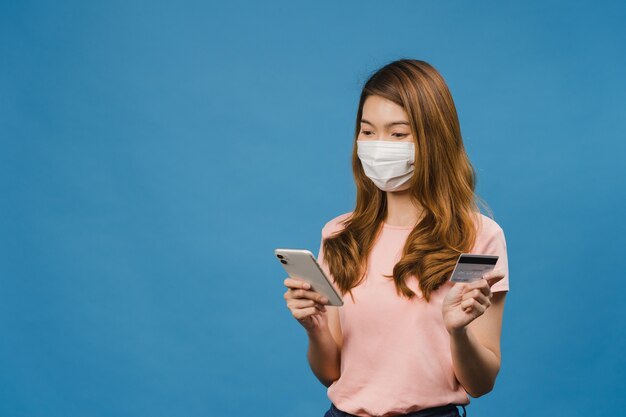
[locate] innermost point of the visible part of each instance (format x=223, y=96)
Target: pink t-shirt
x=396, y=355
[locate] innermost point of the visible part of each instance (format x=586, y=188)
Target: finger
x=483, y=300
x=494, y=273
x=478, y=294
x=312, y=295
x=467, y=305
x=493, y=280
x=485, y=288
x=481, y=285
x=304, y=312
x=463, y=287
x=300, y=303
x=473, y=305
x=296, y=283
x=304, y=303
x=494, y=276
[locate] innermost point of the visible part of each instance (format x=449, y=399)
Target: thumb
x=493, y=279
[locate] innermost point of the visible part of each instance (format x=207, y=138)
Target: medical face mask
x=388, y=164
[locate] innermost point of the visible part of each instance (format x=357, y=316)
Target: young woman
x=407, y=341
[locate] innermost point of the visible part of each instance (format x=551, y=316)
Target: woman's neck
x=401, y=209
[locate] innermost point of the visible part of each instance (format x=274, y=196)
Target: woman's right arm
x=324, y=352
x=308, y=307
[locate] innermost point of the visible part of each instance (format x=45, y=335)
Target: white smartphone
x=301, y=264
x=471, y=267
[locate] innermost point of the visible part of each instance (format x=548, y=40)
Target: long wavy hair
x=443, y=184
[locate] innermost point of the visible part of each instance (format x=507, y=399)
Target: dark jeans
x=449, y=410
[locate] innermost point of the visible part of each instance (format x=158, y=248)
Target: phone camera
x=280, y=256
x=283, y=261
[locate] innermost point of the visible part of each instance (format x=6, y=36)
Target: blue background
x=153, y=154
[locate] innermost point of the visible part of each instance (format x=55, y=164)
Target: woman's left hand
x=467, y=301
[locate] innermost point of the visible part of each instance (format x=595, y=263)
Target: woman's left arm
x=473, y=317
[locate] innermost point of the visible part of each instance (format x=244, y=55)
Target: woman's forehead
x=378, y=109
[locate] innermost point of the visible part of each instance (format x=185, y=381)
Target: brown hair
x=443, y=184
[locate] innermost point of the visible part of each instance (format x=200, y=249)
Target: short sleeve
x=491, y=241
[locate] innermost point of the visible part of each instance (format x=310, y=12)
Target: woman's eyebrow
x=388, y=124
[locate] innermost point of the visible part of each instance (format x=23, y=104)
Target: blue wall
x=153, y=154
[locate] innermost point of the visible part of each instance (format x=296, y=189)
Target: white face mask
x=388, y=164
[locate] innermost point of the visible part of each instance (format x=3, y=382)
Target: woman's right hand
x=306, y=305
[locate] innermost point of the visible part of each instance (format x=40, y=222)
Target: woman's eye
x=401, y=135
x=366, y=132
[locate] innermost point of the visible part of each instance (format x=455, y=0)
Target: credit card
x=471, y=267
